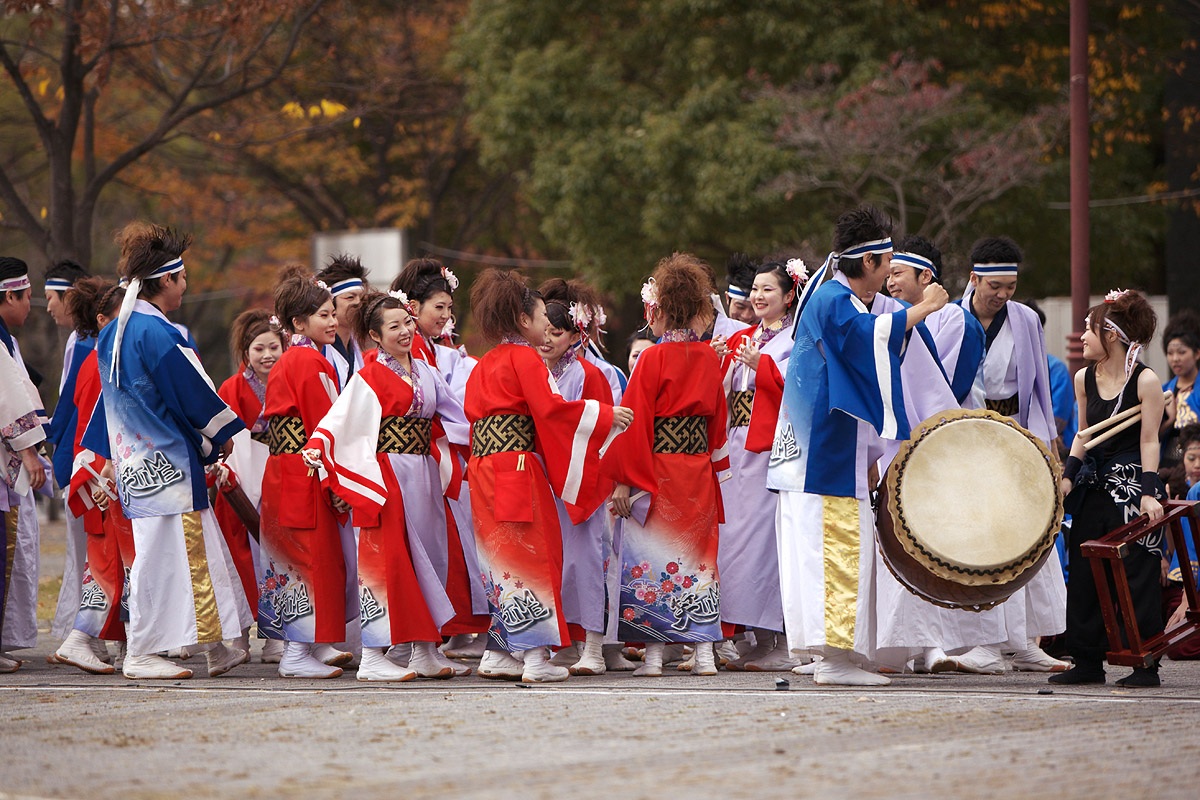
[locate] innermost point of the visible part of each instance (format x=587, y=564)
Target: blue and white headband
x=738, y=292
x=58, y=285
x=877, y=247
x=15, y=284
x=131, y=297
x=914, y=260
x=1007, y=269
x=348, y=285
x=169, y=268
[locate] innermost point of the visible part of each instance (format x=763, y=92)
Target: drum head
x=975, y=498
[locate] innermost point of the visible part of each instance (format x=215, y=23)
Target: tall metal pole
x=1080, y=148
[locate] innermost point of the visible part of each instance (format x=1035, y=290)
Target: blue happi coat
x=162, y=421
x=844, y=371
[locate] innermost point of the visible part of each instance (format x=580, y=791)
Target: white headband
x=131, y=298
x=348, y=285
x=1006, y=269
x=15, y=284
x=58, y=285
x=914, y=260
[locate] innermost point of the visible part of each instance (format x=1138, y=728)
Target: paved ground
x=64, y=734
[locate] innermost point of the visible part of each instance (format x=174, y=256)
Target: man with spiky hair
x=346, y=278
x=842, y=389
x=161, y=421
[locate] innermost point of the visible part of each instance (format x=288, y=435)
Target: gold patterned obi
x=262, y=437
x=501, y=433
x=1007, y=407
x=407, y=435
x=685, y=435
x=286, y=435
x=740, y=406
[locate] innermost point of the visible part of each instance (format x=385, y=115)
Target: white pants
x=183, y=587
x=20, y=612
x=827, y=573
x=72, y=583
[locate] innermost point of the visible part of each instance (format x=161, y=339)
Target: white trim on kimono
x=579, y=443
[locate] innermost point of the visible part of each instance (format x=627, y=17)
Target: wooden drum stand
x=1106, y=553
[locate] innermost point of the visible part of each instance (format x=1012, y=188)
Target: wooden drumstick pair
x=1115, y=424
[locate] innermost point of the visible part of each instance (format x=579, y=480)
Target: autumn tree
x=102, y=84
x=930, y=153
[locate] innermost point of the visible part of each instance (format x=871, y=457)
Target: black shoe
x=1078, y=675
x=1141, y=677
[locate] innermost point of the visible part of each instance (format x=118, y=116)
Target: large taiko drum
x=971, y=509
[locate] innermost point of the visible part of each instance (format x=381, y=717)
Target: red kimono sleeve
x=570, y=435
x=768, y=395
x=629, y=459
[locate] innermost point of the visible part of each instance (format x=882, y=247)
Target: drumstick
x=1104, y=423
x=1111, y=432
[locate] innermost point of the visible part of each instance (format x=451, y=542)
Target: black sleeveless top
x=1099, y=409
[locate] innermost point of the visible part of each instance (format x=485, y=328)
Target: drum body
x=970, y=510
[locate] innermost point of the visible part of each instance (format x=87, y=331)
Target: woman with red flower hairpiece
x=528, y=445
x=672, y=455
x=1114, y=482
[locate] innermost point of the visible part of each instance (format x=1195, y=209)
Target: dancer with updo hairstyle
x=162, y=422
x=588, y=301
x=302, y=600
x=429, y=286
x=1114, y=483
x=528, y=446
x=384, y=443
x=256, y=344
x=748, y=559
x=586, y=546
x=671, y=455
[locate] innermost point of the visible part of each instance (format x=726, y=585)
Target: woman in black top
x=1115, y=482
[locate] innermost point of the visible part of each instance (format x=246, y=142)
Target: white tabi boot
x=400, y=654
x=568, y=655
x=982, y=660
x=652, y=661
x=1032, y=658
x=764, y=641
x=76, y=650
x=936, y=660
x=464, y=645
x=375, y=666
x=272, y=651
x=459, y=670
x=777, y=659
x=242, y=643
x=100, y=650
x=426, y=664
x=807, y=669
x=538, y=668
x=152, y=668
x=500, y=665
x=330, y=656
x=222, y=658
x=705, y=659
x=614, y=661
x=727, y=652
x=591, y=659
x=298, y=662
x=836, y=670
x=8, y=665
